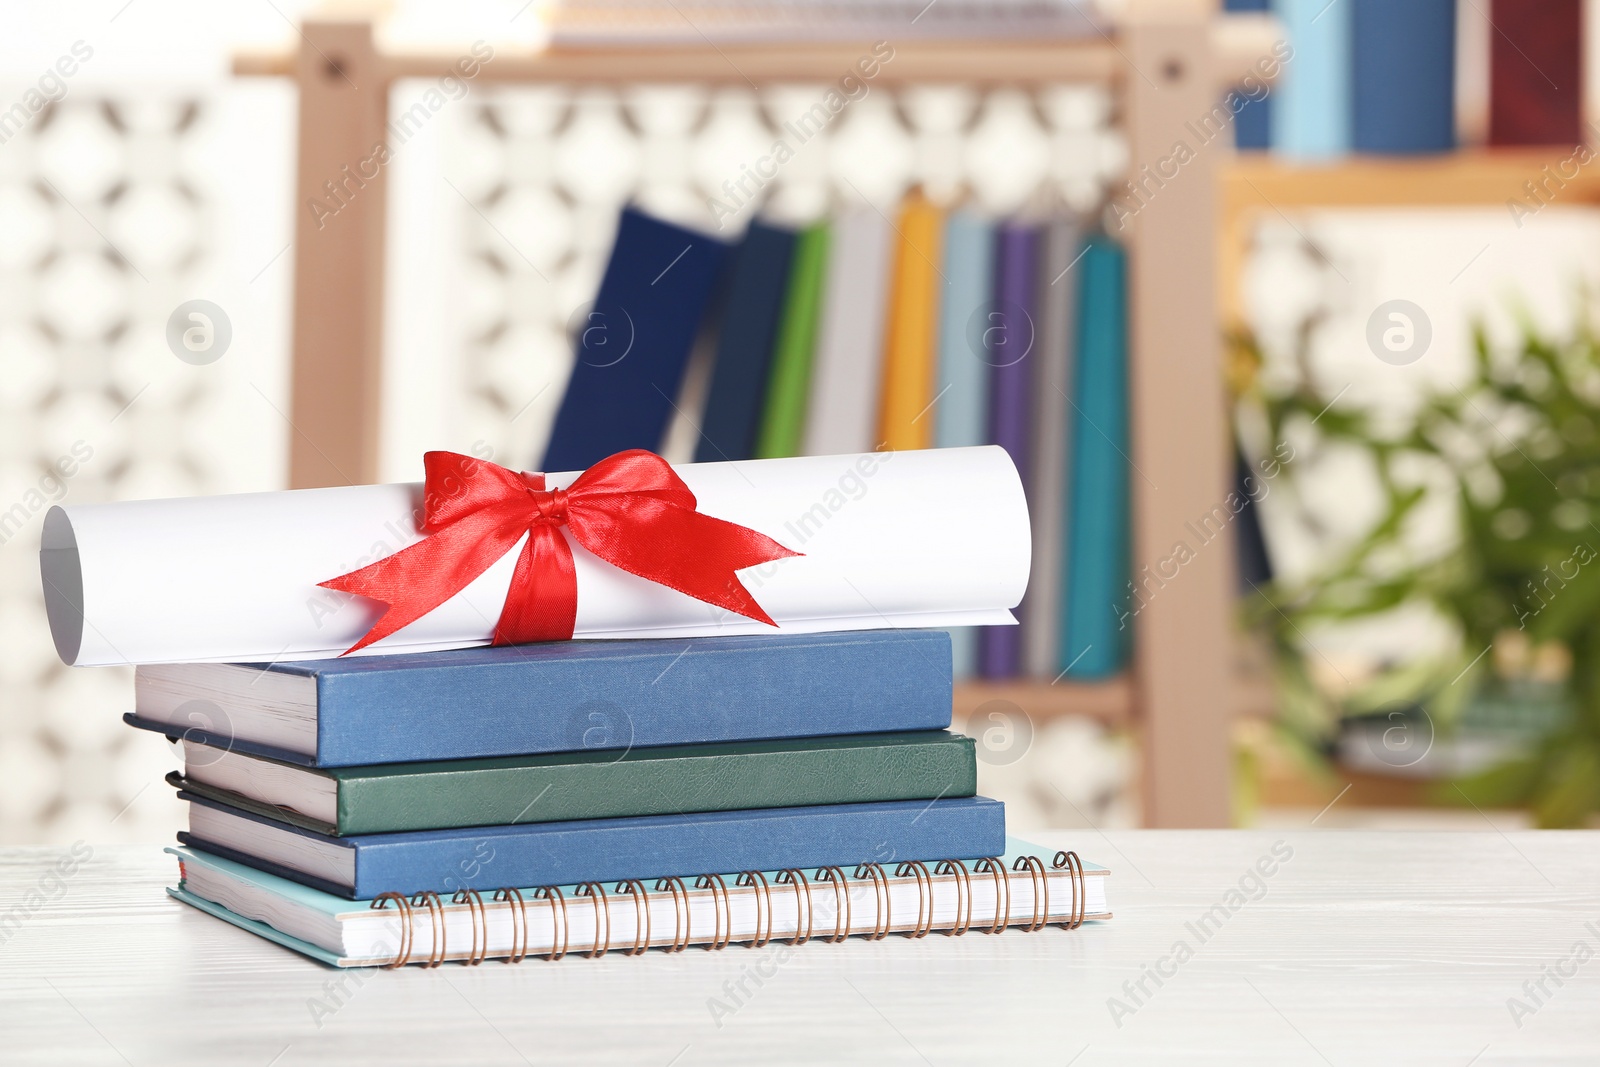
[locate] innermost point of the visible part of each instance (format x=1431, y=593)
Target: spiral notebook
x=713, y=911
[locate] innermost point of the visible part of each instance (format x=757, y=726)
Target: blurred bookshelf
x=1168, y=61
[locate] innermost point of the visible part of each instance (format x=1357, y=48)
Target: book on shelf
x=1050, y=458
x=1024, y=890
x=587, y=850
x=783, y=413
x=961, y=411
x=842, y=414
x=912, y=328
x=562, y=696
x=1011, y=347
x=1535, y=72
x=397, y=797
x=1311, y=106
x=632, y=347
x=758, y=276
x=1403, y=80
x=1094, y=632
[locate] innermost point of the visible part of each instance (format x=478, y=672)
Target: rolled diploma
x=928, y=538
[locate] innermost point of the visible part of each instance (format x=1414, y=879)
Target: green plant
x=1514, y=455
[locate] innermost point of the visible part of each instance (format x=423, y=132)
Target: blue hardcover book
x=760, y=277
x=564, y=696
x=1311, y=104
x=631, y=350
x=1094, y=631
x=1252, y=127
x=962, y=411
x=1405, y=75
x=601, y=850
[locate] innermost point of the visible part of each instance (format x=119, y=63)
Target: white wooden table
x=1363, y=948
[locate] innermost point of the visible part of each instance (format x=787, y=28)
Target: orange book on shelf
x=911, y=336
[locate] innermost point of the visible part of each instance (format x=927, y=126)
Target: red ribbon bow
x=631, y=509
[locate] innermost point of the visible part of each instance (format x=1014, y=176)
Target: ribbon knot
x=631, y=510
x=550, y=506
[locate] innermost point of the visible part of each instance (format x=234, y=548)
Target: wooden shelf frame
x=1171, y=59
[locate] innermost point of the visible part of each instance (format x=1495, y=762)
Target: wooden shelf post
x=338, y=256
x=1183, y=648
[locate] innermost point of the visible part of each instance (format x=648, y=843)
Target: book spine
x=1097, y=619
x=872, y=682
x=760, y=273
x=675, y=846
x=842, y=415
x=1052, y=448
x=908, y=357
x=1311, y=106
x=631, y=348
x=1536, y=73
x=962, y=408
x=899, y=768
x=1013, y=354
x=1403, y=75
x=784, y=415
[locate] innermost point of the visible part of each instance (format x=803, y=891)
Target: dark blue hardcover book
x=602, y=850
x=631, y=349
x=1253, y=124
x=1404, y=77
x=564, y=696
x=1095, y=629
x=760, y=275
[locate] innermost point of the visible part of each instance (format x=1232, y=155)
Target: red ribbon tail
x=542, y=603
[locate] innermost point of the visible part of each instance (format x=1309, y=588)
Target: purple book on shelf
x=1009, y=339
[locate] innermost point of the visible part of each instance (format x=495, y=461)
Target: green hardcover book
x=593, y=784
x=783, y=420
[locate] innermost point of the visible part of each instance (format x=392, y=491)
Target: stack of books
x=590, y=796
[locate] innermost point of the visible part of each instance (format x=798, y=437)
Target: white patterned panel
x=108, y=221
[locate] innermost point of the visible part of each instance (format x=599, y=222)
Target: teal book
x=1096, y=625
x=962, y=409
x=1028, y=888
x=1312, y=104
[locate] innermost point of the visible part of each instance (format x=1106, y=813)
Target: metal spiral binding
x=1041, y=891
x=880, y=887
x=480, y=924
x=722, y=928
x=403, y=906
x=758, y=881
x=517, y=908
x=722, y=903
x=680, y=911
x=963, y=879
x=841, y=895
x=1080, y=891
x=918, y=870
x=803, y=918
x=439, y=946
x=641, y=915
x=1002, y=889
x=560, y=932
x=596, y=893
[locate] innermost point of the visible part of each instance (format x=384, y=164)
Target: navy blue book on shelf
x=1252, y=125
x=632, y=347
x=1404, y=76
x=760, y=276
x=563, y=696
x=602, y=850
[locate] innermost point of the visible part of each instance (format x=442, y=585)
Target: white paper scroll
x=932, y=538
